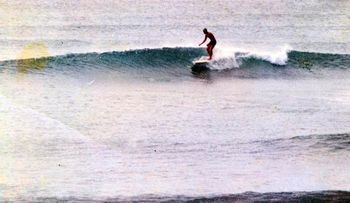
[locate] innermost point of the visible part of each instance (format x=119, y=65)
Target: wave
x=313, y=144
x=181, y=58
x=315, y=196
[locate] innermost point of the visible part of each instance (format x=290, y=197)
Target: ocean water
x=98, y=101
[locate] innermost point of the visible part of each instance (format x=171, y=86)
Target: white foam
x=226, y=57
x=278, y=56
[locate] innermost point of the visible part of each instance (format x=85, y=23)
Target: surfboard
x=201, y=61
x=200, y=65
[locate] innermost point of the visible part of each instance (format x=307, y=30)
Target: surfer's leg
x=210, y=51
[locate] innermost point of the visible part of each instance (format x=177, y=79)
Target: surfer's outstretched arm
x=205, y=39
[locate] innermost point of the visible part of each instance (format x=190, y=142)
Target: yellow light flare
x=33, y=56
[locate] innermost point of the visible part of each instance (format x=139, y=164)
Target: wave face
x=177, y=60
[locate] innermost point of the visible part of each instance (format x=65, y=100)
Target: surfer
x=211, y=44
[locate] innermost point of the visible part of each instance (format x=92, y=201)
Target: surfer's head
x=205, y=31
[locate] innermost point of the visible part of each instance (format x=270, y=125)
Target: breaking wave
x=178, y=60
